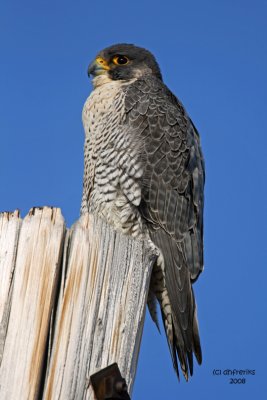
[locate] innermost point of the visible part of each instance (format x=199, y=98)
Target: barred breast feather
x=111, y=163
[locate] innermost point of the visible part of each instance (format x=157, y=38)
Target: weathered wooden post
x=71, y=303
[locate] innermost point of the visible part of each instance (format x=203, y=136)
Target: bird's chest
x=112, y=167
x=102, y=113
x=103, y=116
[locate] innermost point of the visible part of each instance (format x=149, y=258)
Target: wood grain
x=72, y=302
x=35, y=281
x=10, y=223
x=101, y=313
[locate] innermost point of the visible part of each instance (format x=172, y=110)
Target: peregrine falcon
x=144, y=174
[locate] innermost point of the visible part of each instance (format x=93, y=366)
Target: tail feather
x=152, y=307
x=196, y=339
x=172, y=287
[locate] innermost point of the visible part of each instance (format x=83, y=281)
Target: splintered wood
x=71, y=303
x=9, y=230
x=34, y=279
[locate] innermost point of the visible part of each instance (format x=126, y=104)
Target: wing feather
x=171, y=201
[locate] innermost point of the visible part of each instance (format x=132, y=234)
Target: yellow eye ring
x=120, y=60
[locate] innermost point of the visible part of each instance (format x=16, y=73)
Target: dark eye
x=120, y=60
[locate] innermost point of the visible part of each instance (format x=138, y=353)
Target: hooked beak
x=98, y=67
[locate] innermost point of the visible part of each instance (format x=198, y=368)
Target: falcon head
x=123, y=62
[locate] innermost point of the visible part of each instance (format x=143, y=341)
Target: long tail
x=171, y=284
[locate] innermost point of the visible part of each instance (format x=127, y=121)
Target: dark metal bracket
x=108, y=384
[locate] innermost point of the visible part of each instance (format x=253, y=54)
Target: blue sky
x=213, y=56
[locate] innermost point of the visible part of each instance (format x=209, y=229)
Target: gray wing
x=172, y=201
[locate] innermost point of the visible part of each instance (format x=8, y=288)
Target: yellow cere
x=102, y=62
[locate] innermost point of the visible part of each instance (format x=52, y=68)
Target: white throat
x=101, y=80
